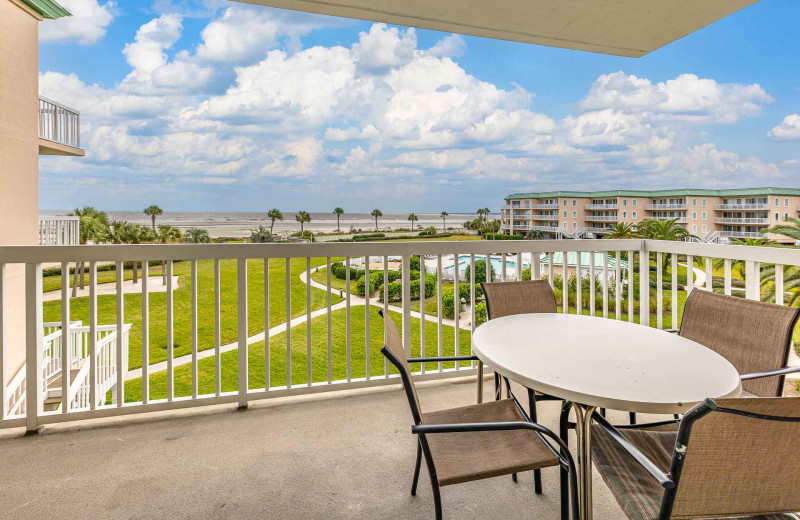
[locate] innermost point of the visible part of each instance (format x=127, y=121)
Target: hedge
x=500, y=236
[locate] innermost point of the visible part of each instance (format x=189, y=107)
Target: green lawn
x=319, y=356
x=53, y=282
x=79, y=307
x=612, y=305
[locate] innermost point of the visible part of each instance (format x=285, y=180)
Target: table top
x=605, y=363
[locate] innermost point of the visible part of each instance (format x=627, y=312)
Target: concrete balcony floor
x=336, y=456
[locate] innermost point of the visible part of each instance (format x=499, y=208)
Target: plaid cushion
x=636, y=491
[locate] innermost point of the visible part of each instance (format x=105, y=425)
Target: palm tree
x=791, y=284
x=153, y=211
x=338, y=212
x=261, y=235
x=376, y=213
x=273, y=215
x=93, y=225
x=662, y=229
x=122, y=232
x=302, y=217
x=164, y=235
x=482, y=212
x=621, y=230
x=534, y=234
x=739, y=265
x=444, y=215
x=196, y=236
x=786, y=230
x=412, y=218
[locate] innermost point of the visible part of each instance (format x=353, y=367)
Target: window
x=694, y=203
x=633, y=203
x=574, y=214
x=634, y=214
x=785, y=203
x=704, y=215
x=785, y=216
x=705, y=202
x=694, y=215
x=694, y=228
x=777, y=203
x=565, y=225
x=565, y=214
x=777, y=216
x=574, y=225
x=565, y=202
x=624, y=202
x=705, y=229
x=624, y=214
x=574, y=202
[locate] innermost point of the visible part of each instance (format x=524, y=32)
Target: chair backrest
x=507, y=298
x=754, y=336
x=396, y=354
x=736, y=465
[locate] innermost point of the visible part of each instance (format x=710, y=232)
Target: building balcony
x=544, y=206
x=59, y=129
x=679, y=220
x=59, y=231
x=545, y=217
x=741, y=234
x=741, y=207
x=549, y=229
x=601, y=218
x=657, y=207
x=520, y=213
x=600, y=206
x=521, y=227
x=723, y=220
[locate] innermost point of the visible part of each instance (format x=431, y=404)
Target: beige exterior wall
x=19, y=159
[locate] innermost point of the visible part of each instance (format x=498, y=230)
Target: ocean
x=240, y=224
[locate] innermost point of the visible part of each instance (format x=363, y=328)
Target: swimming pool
x=497, y=264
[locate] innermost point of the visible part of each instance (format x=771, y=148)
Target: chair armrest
x=644, y=426
x=771, y=373
x=648, y=465
x=673, y=331
x=445, y=358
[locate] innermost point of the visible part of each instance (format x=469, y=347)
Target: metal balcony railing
x=733, y=220
x=600, y=206
x=741, y=207
x=656, y=207
x=59, y=123
x=59, y=231
x=601, y=218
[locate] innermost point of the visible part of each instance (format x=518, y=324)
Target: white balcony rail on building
x=741, y=207
x=59, y=231
x=731, y=220
x=679, y=220
x=320, y=371
x=544, y=206
x=740, y=234
x=600, y=206
x=545, y=217
x=59, y=123
x=601, y=218
x=656, y=207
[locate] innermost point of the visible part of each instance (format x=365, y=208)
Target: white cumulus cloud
x=789, y=128
x=88, y=23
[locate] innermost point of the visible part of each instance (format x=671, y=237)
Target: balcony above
x=763, y=221
x=59, y=129
x=601, y=218
x=600, y=206
x=59, y=231
x=741, y=207
x=657, y=207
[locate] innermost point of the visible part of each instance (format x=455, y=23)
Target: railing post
x=644, y=286
x=241, y=274
x=33, y=346
x=751, y=280
x=406, y=274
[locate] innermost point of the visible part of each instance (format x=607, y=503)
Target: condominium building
x=711, y=215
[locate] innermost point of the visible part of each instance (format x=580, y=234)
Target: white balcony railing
x=600, y=206
x=59, y=231
x=740, y=234
x=741, y=207
x=545, y=217
x=601, y=218
x=656, y=207
x=731, y=220
x=544, y=206
x=182, y=335
x=549, y=229
x=59, y=123
x=679, y=220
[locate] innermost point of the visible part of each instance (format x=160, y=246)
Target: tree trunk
x=74, y=282
x=154, y=221
x=338, y=230
x=163, y=273
x=135, y=271
x=83, y=270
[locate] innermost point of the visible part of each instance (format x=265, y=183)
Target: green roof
x=739, y=192
x=48, y=8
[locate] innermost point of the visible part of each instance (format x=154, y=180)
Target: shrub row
x=500, y=236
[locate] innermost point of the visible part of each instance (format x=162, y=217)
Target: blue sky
x=214, y=105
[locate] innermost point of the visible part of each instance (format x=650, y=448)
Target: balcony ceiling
x=630, y=28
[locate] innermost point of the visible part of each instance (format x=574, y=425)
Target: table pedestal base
x=583, y=431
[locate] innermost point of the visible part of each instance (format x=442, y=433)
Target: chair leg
x=564, y=434
x=497, y=389
x=416, y=471
x=632, y=417
x=537, y=474
x=514, y=477
x=437, y=500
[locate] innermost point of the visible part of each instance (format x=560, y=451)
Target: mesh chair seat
x=491, y=453
x=635, y=490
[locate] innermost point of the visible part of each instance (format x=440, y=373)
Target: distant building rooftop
x=48, y=8
x=739, y=192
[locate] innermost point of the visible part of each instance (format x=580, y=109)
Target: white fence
x=59, y=123
x=351, y=367
x=59, y=231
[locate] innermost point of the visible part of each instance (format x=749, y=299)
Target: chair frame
x=671, y=481
x=562, y=453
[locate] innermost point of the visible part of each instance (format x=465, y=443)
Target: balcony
x=545, y=217
x=59, y=129
x=544, y=206
x=657, y=207
x=679, y=220
x=761, y=220
x=549, y=229
x=601, y=218
x=741, y=207
x=59, y=231
x=600, y=206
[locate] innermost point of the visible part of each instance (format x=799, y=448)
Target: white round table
x=602, y=363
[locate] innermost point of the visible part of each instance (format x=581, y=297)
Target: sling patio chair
x=730, y=458
x=478, y=441
x=509, y=298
